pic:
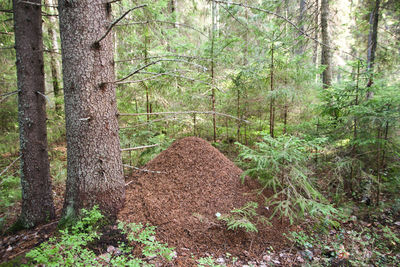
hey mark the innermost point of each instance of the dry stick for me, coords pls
(162, 56)
(180, 60)
(179, 76)
(185, 112)
(138, 147)
(288, 21)
(143, 170)
(9, 166)
(150, 78)
(115, 22)
(163, 21)
(149, 122)
(152, 63)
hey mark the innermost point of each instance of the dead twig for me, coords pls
(184, 112)
(139, 169)
(9, 166)
(138, 147)
(97, 43)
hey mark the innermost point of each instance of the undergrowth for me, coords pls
(70, 247)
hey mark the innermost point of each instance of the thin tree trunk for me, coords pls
(372, 44)
(213, 30)
(326, 56)
(54, 62)
(316, 21)
(272, 101)
(37, 196)
(302, 10)
(382, 164)
(94, 169)
(238, 114)
(349, 185)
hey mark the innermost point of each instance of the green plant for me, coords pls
(281, 164)
(136, 232)
(70, 248)
(245, 217)
(301, 239)
(207, 261)
(10, 191)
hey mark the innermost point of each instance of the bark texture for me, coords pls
(37, 200)
(94, 172)
(326, 57)
(372, 44)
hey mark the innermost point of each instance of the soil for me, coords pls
(181, 192)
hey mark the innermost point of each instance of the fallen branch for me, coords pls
(138, 147)
(184, 112)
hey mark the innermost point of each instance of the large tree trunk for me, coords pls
(326, 56)
(372, 43)
(37, 200)
(54, 63)
(94, 172)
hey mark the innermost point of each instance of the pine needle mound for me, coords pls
(197, 181)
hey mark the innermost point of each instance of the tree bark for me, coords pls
(54, 63)
(302, 10)
(272, 101)
(37, 200)
(315, 54)
(372, 44)
(94, 169)
(326, 56)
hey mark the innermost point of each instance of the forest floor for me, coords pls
(184, 191)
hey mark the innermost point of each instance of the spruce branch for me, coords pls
(97, 43)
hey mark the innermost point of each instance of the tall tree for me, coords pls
(94, 168)
(326, 56)
(37, 200)
(372, 42)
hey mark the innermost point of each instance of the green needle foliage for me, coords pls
(281, 164)
(245, 217)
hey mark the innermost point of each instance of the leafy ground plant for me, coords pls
(70, 248)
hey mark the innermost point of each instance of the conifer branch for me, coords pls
(288, 21)
(97, 43)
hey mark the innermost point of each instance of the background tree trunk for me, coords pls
(372, 43)
(54, 63)
(94, 172)
(37, 200)
(326, 56)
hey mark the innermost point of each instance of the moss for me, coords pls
(69, 218)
